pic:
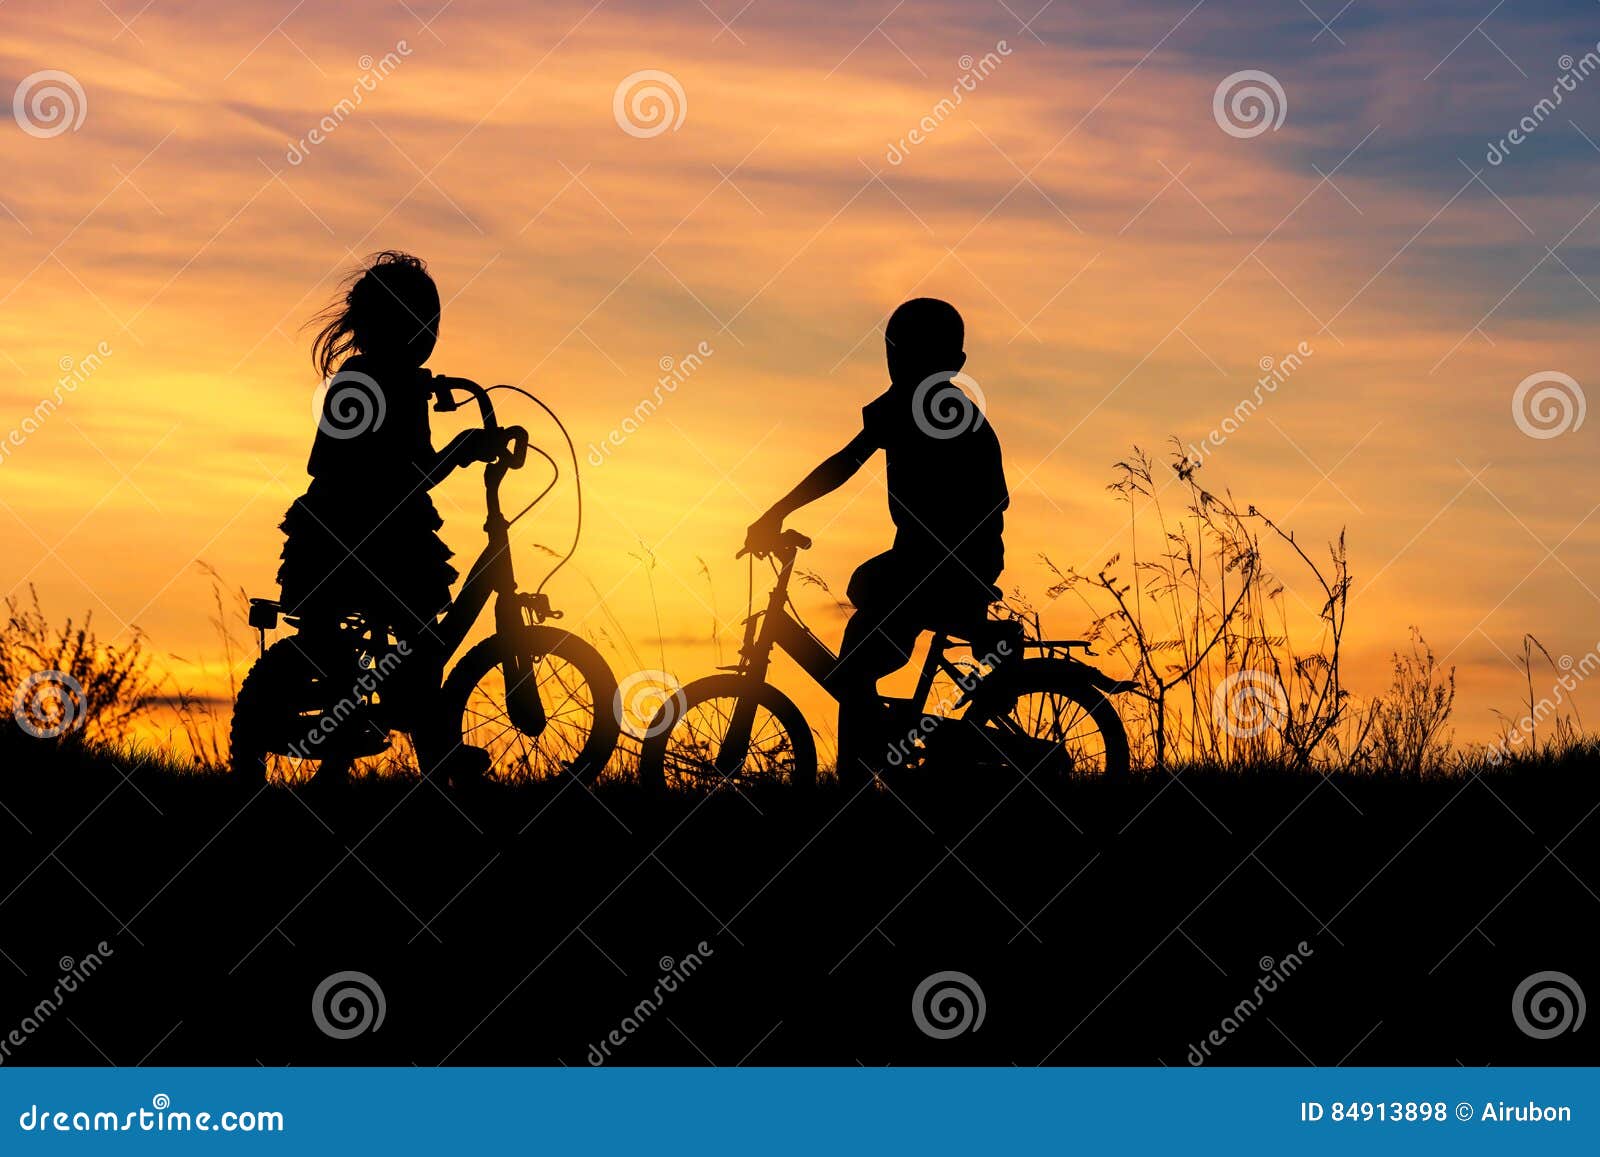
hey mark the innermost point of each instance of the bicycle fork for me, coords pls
(753, 655)
(776, 629)
(524, 707)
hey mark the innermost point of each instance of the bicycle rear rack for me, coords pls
(1063, 648)
(1067, 645)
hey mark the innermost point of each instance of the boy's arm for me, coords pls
(832, 473)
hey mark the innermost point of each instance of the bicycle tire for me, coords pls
(585, 756)
(669, 753)
(996, 698)
(279, 706)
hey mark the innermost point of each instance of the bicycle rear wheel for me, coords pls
(299, 717)
(1043, 718)
(686, 737)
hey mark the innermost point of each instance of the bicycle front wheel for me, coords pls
(685, 740)
(575, 687)
(1044, 718)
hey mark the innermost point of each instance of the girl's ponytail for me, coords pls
(391, 283)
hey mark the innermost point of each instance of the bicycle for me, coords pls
(1051, 713)
(536, 697)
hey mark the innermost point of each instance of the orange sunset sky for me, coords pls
(1123, 262)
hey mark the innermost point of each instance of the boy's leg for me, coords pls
(878, 639)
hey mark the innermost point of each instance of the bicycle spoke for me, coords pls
(697, 737)
(1045, 727)
(569, 719)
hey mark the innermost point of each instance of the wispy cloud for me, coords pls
(1123, 264)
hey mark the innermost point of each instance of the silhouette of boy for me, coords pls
(947, 497)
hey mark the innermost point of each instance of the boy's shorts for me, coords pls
(897, 597)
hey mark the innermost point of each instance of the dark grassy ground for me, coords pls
(1104, 925)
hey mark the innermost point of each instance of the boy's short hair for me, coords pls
(926, 327)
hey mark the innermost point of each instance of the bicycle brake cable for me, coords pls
(549, 486)
(577, 482)
(788, 601)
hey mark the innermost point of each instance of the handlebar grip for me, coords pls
(787, 540)
(444, 397)
(517, 442)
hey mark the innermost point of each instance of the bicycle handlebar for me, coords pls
(786, 541)
(444, 398)
(516, 446)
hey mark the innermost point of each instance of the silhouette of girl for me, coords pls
(364, 536)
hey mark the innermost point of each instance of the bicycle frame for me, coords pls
(775, 627)
(491, 576)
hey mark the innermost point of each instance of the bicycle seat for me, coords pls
(983, 634)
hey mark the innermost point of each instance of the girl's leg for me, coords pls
(413, 691)
(319, 636)
(441, 754)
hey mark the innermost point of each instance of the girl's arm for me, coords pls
(464, 449)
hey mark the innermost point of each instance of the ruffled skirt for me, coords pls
(342, 556)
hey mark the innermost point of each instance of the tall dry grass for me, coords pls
(63, 684)
(1233, 664)
(1230, 627)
